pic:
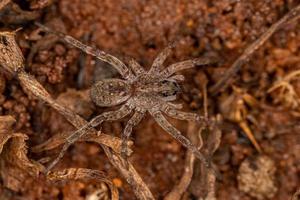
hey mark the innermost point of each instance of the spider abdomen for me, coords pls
(110, 92)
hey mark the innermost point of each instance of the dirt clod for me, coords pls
(256, 177)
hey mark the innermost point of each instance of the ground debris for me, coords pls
(235, 108)
(291, 16)
(204, 180)
(83, 174)
(12, 13)
(286, 94)
(102, 193)
(296, 196)
(15, 166)
(186, 178)
(257, 177)
(40, 4)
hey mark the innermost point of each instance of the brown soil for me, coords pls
(141, 29)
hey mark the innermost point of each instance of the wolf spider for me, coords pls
(138, 91)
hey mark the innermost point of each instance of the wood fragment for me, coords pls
(294, 14)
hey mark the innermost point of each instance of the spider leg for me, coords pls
(115, 62)
(162, 121)
(136, 67)
(107, 116)
(175, 105)
(181, 115)
(185, 65)
(160, 59)
(134, 120)
(178, 78)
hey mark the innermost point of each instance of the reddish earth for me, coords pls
(141, 29)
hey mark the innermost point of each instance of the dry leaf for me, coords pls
(11, 57)
(15, 167)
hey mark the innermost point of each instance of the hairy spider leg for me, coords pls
(175, 105)
(115, 62)
(181, 115)
(178, 78)
(107, 116)
(169, 128)
(136, 67)
(187, 64)
(160, 59)
(177, 114)
(134, 120)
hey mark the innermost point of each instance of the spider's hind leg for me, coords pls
(187, 64)
(106, 116)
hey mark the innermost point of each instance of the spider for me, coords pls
(138, 92)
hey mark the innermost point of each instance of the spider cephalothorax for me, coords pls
(138, 92)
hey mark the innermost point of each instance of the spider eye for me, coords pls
(171, 88)
(169, 93)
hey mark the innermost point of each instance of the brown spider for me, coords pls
(139, 91)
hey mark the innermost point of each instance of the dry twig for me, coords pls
(294, 14)
(12, 61)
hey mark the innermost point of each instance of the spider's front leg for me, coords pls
(107, 116)
(160, 59)
(187, 64)
(136, 67)
(162, 121)
(115, 62)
